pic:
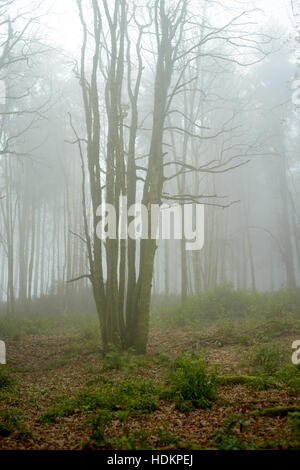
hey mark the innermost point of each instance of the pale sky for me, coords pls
(64, 29)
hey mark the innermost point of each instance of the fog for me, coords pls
(149, 224)
(237, 112)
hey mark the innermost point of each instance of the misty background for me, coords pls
(238, 121)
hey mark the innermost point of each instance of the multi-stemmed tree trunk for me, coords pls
(124, 309)
(121, 272)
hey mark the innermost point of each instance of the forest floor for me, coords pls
(61, 394)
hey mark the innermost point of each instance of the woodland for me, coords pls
(138, 343)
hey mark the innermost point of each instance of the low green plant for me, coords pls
(99, 422)
(294, 421)
(256, 382)
(267, 358)
(228, 438)
(280, 411)
(239, 316)
(166, 438)
(99, 439)
(10, 421)
(64, 408)
(290, 376)
(137, 440)
(135, 397)
(191, 385)
(123, 361)
(6, 379)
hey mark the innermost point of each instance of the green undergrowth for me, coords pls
(126, 362)
(11, 421)
(75, 350)
(280, 411)
(7, 381)
(37, 323)
(128, 439)
(255, 382)
(8, 385)
(133, 397)
(272, 362)
(239, 316)
(187, 380)
(190, 384)
(230, 436)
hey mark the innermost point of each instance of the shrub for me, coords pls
(191, 385)
(136, 440)
(123, 361)
(6, 380)
(290, 375)
(228, 438)
(10, 421)
(274, 312)
(267, 358)
(99, 422)
(294, 421)
(64, 408)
